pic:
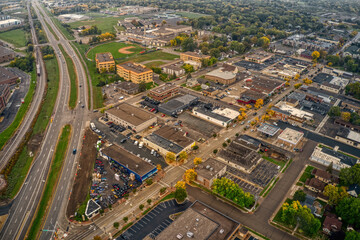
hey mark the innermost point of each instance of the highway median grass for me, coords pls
(19, 165)
(73, 78)
(51, 182)
(8, 132)
(51, 30)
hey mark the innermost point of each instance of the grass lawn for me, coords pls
(105, 24)
(73, 78)
(279, 163)
(306, 174)
(54, 173)
(157, 55)
(16, 37)
(113, 48)
(191, 14)
(7, 133)
(154, 64)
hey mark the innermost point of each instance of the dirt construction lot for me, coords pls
(85, 169)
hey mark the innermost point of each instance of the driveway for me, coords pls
(155, 221)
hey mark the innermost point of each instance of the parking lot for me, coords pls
(250, 65)
(155, 221)
(246, 186)
(113, 94)
(117, 137)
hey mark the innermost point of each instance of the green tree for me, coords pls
(349, 210)
(352, 235)
(334, 111)
(188, 44)
(335, 194)
(188, 68)
(350, 175)
(142, 86)
(149, 201)
(180, 194)
(125, 219)
(300, 196)
(141, 207)
(116, 225)
(264, 42)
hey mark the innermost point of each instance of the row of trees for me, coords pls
(229, 189)
(24, 63)
(102, 37)
(93, 30)
(353, 117)
(353, 89)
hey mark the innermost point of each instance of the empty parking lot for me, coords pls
(154, 222)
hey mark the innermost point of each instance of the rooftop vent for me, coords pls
(211, 169)
(190, 234)
(207, 166)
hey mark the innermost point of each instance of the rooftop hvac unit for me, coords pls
(190, 234)
(207, 166)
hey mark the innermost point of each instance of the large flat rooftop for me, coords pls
(131, 114)
(268, 129)
(135, 67)
(200, 222)
(128, 159)
(104, 57)
(291, 136)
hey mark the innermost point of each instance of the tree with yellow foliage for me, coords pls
(307, 81)
(190, 175)
(197, 161)
(298, 85)
(248, 106)
(183, 155)
(158, 167)
(242, 116)
(259, 103)
(270, 112)
(346, 116)
(170, 157)
(242, 109)
(315, 55)
(287, 83)
(265, 117)
(297, 76)
(180, 185)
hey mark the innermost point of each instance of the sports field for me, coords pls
(117, 49)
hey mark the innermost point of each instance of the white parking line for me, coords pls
(154, 210)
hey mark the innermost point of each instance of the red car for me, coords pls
(163, 115)
(152, 110)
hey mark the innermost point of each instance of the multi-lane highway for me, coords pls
(25, 204)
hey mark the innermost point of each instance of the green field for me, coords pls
(154, 64)
(105, 24)
(73, 78)
(191, 14)
(113, 48)
(16, 37)
(157, 55)
(7, 133)
(53, 176)
(306, 174)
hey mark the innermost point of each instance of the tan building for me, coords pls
(258, 57)
(224, 75)
(105, 62)
(164, 91)
(189, 57)
(131, 117)
(208, 171)
(134, 72)
(290, 138)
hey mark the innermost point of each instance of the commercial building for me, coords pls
(164, 91)
(200, 221)
(222, 117)
(348, 136)
(128, 87)
(325, 156)
(7, 77)
(132, 163)
(134, 72)
(177, 105)
(224, 75)
(105, 62)
(263, 84)
(268, 129)
(250, 97)
(288, 113)
(9, 23)
(240, 156)
(6, 55)
(92, 209)
(4, 96)
(131, 117)
(290, 138)
(169, 139)
(174, 68)
(258, 57)
(250, 142)
(208, 171)
(330, 82)
(193, 58)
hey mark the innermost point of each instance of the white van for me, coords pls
(141, 144)
(136, 143)
(121, 98)
(152, 151)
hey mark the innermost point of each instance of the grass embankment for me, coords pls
(51, 182)
(23, 162)
(104, 23)
(17, 37)
(51, 30)
(8, 132)
(73, 78)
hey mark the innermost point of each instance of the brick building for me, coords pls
(165, 91)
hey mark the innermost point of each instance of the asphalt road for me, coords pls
(14, 103)
(25, 204)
